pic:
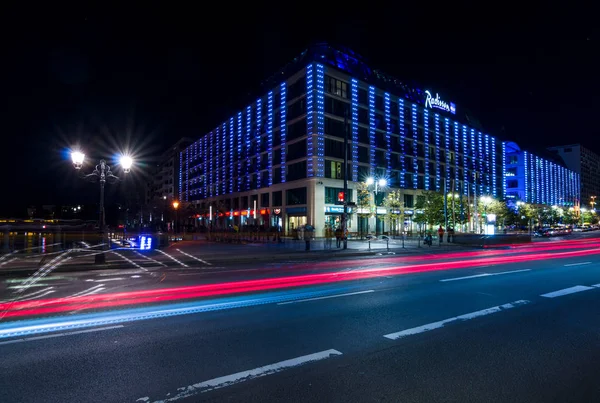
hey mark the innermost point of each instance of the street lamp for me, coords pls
(176, 206)
(379, 183)
(101, 174)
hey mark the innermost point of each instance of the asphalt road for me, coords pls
(502, 326)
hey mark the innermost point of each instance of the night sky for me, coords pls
(139, 79)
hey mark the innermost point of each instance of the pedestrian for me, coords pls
(441, 234)
(338, 237)
(450, 234)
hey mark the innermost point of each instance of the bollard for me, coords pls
(387, 244)
(402, 241)
(369, 244)
(307, 246)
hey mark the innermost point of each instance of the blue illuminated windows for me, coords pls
(239, 152)
(205, 165)
(320, 122)
(503, 168)
(388, 137)
(525, 159)
(248, 145)
(415, 146)
(224, 156)
(372, 130)
(402, 141)
(217, 160)
(354, 130)
(480, 161)
(232, 160)
(283, 128)
(426, 146)
(487, 164)
(448, 152)
(257, 138)
(270, 135)
(436, 125)
(309, 120)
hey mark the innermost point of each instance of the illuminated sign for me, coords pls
(145, 243)
(437, 103)
(341, 196)
(337, 209)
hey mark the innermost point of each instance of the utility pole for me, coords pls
(345, 215)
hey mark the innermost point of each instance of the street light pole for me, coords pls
(102, 173)
(345, 214)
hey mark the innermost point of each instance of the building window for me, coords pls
(336, 87)
(296, 171)
(277, 198)
(409, 200)
(264, 200)
(512, 184)
(295, 196)
(513, 159)
(331, 195)
(333, 169)
(511, 171)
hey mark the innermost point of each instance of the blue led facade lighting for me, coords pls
(354, 130)
(283, 127)
(232, 160)
(401, 124)
(526, 165)
(415, 146)
(180, 175)
(436, 125)
(187, 174)
(474, 161)
(248, 141)
(504, 162)
(240, 175)
(465, 158)
(388, 135)
(487, 164)
(211, 162)
(456, 159)
(205, 165)
(270, 136)
(321, 122)
(448, 151)
(225, 142)
(372, 144)
(310, 108)
(480, 160)
(426, 146)
(217, 161)
(494, 161)
(257, 139)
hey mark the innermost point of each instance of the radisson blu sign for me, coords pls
(438, 103)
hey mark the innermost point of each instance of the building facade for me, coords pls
(586, 163)
(164, 183)
(537, 180)
(279, 161)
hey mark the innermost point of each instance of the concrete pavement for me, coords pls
(519, 331)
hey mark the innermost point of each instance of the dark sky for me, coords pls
(140, 78)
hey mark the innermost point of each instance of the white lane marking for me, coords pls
(327, 297)
(25, 287)
(484, 275)
(193, 257)
(442, 323)
(135, 276)
(577, 264)
(50, 336)
(92, 292)
(129, 261)
(111, 279)
(120, 273)
(86, 291)
(172, 258)
(566, 291)
(228, 380)
(8, 261)
(37, 296)
(149, 258)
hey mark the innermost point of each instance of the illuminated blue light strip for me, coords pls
(257, 139)
(465, 158)
(494, 181)
(526, 173)
(504, 162)
(426, 146)
(239, 158)
(456, 158)
(474, 162)
(402, 132)
(248, 141)
(447, 148)
(539, 183)
(480, 161)
(187, 173)
(270, 136)
(547, 177)
(372, 161)
(232, 161)
(205, 167)
(283, 128)
(309, 120)
(437, 153)
(211, 162)
(224, 155)
(415, 146)
(180, 174)
(354, 130)
(388, 137)
(217, 161)
(487, 165)
(321, 122)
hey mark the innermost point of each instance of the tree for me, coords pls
(429, 208)
(590, 217)
(394, 204)
(364, 203)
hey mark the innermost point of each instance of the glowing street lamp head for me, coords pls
(126, 162)
(370, 181)
(77, 157)
(175, 204)
(382, 182)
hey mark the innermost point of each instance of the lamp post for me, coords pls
(378, 183)
(101, 174)
(593, 202)
(486, 200)
(176, 207)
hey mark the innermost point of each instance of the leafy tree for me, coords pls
(590, 217)
(430, 208)
(394, 203)
(569, 216)
(364, 203)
